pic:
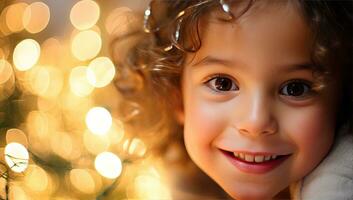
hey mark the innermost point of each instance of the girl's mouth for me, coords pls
(258, 164)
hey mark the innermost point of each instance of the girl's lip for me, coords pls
(252, 167)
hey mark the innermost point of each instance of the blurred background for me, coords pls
(62, 136)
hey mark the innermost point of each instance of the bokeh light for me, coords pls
(4, 30)
(18, 193)
(150, 187)
(14, 16)
(108, 165)
(62, 144)
(26, 54)
(86, 45)
(46, 81)
(120, 21)
(16, 157)
(17, 136)
(40, 126)
(5, 71)
(95, 144)
(7, 88)
(135, 147)
(98, 120)
(51, 48)
(37, 179)
(84, 14)
(79, 84)
(82, 180)
(59, 142)
(100, 72)
(116, 132)
(39, 80)
(36, 17)
(2, 54)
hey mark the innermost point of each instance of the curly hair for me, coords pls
(156, 57)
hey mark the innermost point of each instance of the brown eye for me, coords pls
(296, 89)
(222, 84)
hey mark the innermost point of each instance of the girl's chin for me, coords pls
(251, 197)
(252, 194)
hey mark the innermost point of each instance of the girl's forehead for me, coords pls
(261, 17)
(244, 9)
(275, 30)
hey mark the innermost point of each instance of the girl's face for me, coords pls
(248, 95)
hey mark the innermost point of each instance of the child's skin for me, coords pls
(248, 89)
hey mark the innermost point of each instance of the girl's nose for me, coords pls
(257, 117)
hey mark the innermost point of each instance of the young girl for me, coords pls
(260, 92)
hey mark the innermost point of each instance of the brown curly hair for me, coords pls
(150, 69)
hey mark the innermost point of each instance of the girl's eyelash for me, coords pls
(306, 88)
(221, 83)
(209, 78)
(296, 89)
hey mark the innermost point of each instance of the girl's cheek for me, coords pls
(310, 127)
(205, 120)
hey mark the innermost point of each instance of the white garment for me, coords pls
(333, 178)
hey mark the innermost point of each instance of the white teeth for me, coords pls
(252, 158)
(259, 159)
(249, 158)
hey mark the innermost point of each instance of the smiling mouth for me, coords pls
(255, 163)
(254, 159)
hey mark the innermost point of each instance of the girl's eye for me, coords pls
(296, 89)
(221, 84)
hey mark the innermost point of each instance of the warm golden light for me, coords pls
(17, 193)
(2, 54)
(4, 30)
(16, 135)
(95, 144)
(76, 108)
(16, 157)
(135, 147)
(14, 16)
(79, 84)
(116, 18)
(36, 179)
(119, 21)
(5, 71)
(82, 180)
(100, 72)
(84, 14)
(36, 17)
(39, 80)
(62, 144)
(45, 104)
(116, 132)
(51, 48)
(7, 80)
(108, 165)
(98, 120)
(26, 54)
(38, 124)
(86, 45)
(150, 187)
(64, 133)
(46, 81)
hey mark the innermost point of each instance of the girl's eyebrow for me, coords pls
(298, 67)
(209, 60)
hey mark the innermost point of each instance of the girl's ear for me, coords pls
(179, 106)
